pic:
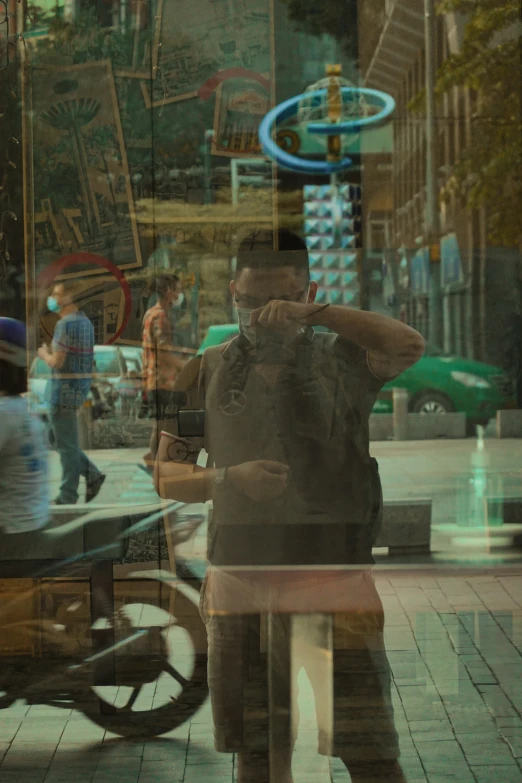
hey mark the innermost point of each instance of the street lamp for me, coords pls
(209, 134)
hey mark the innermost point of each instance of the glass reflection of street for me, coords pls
(184, 436)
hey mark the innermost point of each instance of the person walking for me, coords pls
(161, 366)
(71, 359)
(24, 481)
(297, 506)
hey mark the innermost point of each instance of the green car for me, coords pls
(438, 383)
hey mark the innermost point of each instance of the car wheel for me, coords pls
(432, 403)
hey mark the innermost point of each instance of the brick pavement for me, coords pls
(455, 648)
(454, 644)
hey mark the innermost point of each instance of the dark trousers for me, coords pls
(64, 423)
(245, 687)
(160, 402)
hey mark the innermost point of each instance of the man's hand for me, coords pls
(54, 360)
(43, 352)
(259, 480)
(279, 314)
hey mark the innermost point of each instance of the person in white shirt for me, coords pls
(24, 484)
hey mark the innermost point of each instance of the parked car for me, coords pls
(133, 355)
(110, 365)
(131, 389)
(438, 383)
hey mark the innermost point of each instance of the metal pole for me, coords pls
(234, 180)
(26, 93)
(208, 189)
(400, 413)
(432, 201)
(124, 14)
(83, 417)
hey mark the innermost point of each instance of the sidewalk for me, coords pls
(454, 645)
(455, 648)
(454, 474)
(434, 468)
(442, 470)
(439, 469)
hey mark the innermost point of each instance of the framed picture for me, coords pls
(200, 39)
(241, 104)
(83, 196)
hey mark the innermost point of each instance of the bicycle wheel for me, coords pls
(160, 684)
(183, 452)
(116, 439)
(96, 439)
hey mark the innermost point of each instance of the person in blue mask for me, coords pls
(71, 359)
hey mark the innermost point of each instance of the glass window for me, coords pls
(299, 519)
(108, 361)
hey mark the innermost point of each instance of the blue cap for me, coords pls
(13, 342)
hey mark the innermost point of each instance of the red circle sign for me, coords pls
(48, 275)
(206, 89)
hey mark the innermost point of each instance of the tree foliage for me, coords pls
(340, 19)
(80, 40)
(336, 18)
(488, 172)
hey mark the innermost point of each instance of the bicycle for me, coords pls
(183, 449)
(108, 434)
(104, 432)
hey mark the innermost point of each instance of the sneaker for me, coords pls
(60, 502)
(93, 487)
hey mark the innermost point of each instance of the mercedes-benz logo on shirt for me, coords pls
(233, 403)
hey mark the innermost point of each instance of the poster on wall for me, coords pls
(241, 104)
(83, 196)
(200, 39)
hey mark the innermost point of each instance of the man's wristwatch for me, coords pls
(220, 477)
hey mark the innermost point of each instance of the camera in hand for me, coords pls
(179, 398)
(191, 423)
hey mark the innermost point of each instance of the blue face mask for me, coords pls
(243, 317)
(52, 304)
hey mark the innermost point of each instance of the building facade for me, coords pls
(480, 283)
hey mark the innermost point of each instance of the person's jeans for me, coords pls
(75, 463)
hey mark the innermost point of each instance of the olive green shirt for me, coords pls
(312, 415)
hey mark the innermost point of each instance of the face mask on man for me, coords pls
(52, 304)
(243, 317)
(253, 333)
(179, 301)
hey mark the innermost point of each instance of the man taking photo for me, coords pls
(294, 490)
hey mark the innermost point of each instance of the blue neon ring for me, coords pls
(351, 126)
(287, 109)
(279, 114)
